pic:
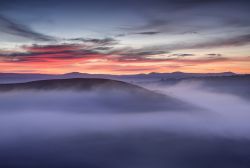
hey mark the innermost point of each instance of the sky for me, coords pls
(124, 37)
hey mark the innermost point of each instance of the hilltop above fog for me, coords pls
(87, 95)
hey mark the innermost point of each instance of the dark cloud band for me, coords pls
(11, 27)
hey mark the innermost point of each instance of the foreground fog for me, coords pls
(89, 129)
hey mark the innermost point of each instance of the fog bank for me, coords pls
(92, 129)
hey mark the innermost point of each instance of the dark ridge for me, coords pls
(112, 93)
(70, 84)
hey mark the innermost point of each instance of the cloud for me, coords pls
(151, 26)
(224, 42)
(131, 54)
(97, 41)
(85, 52)
(148, 33)
(183, 55)
(235, 41)
(44, 52)
(214, 54)
(54, 47)
(103, 48)
(11, 27)
(176, 60)
(82, 48)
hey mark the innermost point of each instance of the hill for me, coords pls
(81, 93)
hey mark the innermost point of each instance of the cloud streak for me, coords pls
(96, 41)
(224, 42)
(50, 52)
(235, 41)
(99, 50)
(11, 27)
(148, 33)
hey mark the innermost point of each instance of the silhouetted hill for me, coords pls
(70, 84)
(111, 93)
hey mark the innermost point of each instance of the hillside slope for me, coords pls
(92, 94)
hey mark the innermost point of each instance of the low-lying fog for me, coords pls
(75, 129)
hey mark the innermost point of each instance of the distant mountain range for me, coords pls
(18, 77)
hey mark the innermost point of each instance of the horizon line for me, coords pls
(21, 73)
